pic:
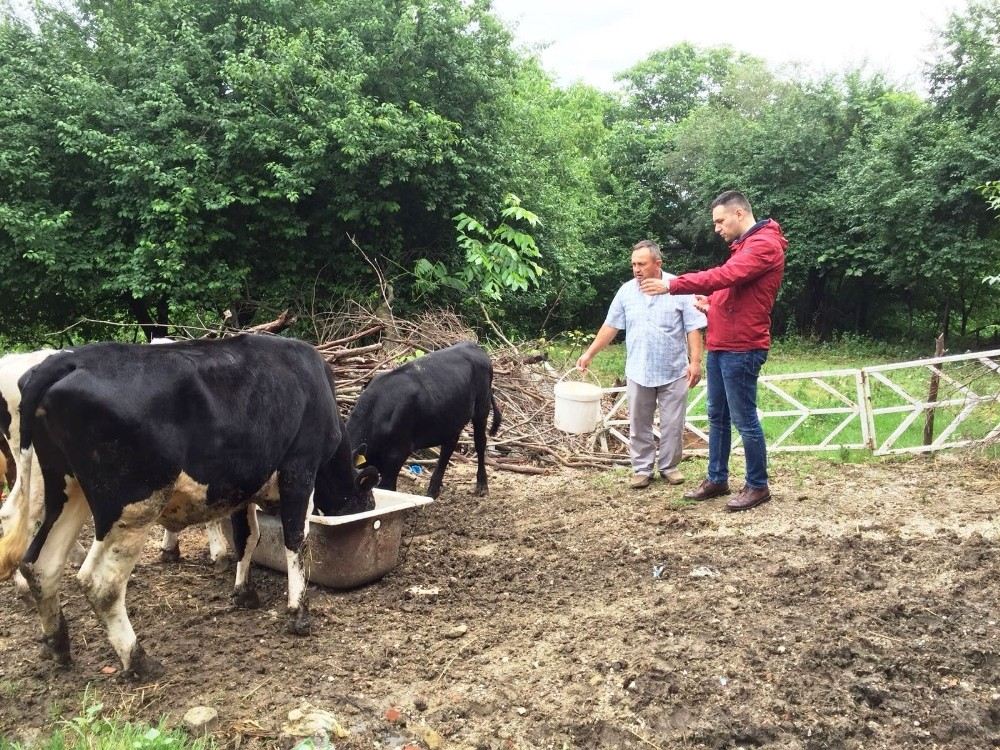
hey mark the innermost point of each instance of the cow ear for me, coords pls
(367, 479)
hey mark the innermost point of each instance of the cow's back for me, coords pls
(225, 413)
(425, 401)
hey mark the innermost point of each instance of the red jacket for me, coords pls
(742, 290)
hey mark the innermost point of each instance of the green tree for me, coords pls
(671, 83)
(677, 106)
(169, 155)
(497, 262)
(963, 155)
(556, 138)
(991, 191)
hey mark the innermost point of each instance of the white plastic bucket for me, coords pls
(578, 406)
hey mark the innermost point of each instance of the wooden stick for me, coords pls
(516, 468)
(932, 392)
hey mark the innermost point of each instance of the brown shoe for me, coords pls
(749, 498)
(638, 481)
(672, 476)
(707, 490)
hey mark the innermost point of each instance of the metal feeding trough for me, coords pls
(344, 551)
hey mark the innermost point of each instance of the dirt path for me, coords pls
(860, 609)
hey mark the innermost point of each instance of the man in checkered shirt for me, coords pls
(663, 360)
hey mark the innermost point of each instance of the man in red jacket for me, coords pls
(741, 294)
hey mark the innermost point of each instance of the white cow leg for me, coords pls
(246, 534)
(218, 545)
(170, 547)
(104, 577)
(298, 604)
(43, 577)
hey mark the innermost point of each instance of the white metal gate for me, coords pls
(878, 408)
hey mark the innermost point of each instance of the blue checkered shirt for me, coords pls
(656, 328)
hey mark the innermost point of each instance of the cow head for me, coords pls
(364, 482)
(339, 494)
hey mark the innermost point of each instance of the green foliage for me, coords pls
(167, 154)
(92, 730)
(555, 142)
(497, 261)
(991, 190)
(502, 258)
(162, 162)
(671, 83)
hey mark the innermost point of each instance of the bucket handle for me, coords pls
(587, 372)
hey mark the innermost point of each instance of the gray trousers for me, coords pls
(642, 402)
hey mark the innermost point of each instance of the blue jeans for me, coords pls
(732, 399)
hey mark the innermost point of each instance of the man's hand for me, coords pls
(693, 374)
(701, 303)
(654, 286)
(584, 362)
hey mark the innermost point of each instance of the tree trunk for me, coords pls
(811, 308)
(151, 327)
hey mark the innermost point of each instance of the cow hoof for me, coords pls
(57, 644)
(481, 490)
(144, 668)
(246, 598)
(61, 658)
(298, 623)
(170, 556)
(222, 563)
(47, 653)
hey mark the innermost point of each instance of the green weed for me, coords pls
(9, 688)
(606, 481)
(92, 729)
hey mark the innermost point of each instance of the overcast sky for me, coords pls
(590, 40)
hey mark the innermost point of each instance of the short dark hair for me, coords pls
(732, 198)
(653, 248)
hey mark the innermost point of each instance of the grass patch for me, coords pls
(680, 503)
(93, 730)
(609, 480)
(9, 689)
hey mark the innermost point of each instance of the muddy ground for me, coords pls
(859, 609)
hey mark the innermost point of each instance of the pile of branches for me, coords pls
(359, 343)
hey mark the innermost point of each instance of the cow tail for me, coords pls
(34, 385)
(497, 416)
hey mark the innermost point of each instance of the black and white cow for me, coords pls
(12, 367)
(178, 435)
(423, 403)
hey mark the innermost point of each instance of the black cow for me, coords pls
(175, 434)
(423, 403)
